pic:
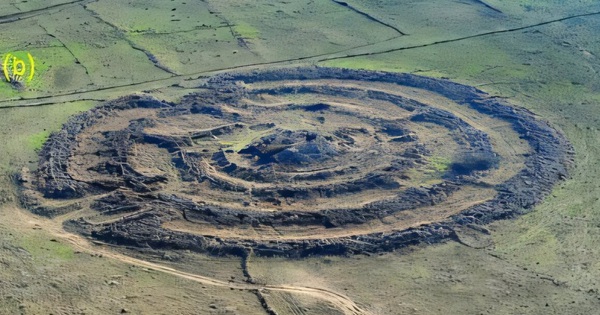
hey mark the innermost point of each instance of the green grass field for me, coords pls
(545, 262)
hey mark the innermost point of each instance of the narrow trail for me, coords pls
(54, 227)
(488, 6)
(368, 16)
(9, 18)
(22, 217)
(88, 94)
(49, 100)
(452, 40)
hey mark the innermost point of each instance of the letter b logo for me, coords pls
(15, 68)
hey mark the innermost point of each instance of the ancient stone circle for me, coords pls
(297, 162)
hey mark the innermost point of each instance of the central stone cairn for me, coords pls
(297, 162)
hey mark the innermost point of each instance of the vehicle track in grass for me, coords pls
(24, 219)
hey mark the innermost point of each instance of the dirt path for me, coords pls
(54, 227)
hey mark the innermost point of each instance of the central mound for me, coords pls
(293, 148)
(297, 162)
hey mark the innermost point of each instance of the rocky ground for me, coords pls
(538, 55)
(299, 165)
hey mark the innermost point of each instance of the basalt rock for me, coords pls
(296, 162)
